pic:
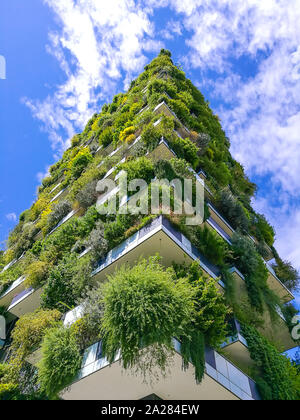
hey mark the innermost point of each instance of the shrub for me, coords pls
(30, 329)
(256, 274)
(287, 274)
(211, 245)
(88, 195)
(66, 282)
(233, 210)
(141, 168)
(185, 149)
(280, 378)
(263, 230)
(26, 337)
(61, 360)
(79, 163)
(9, 392)
(143, 306)
(127, 135)
(25, 240)
(201, 140)
(60, 210)
(36, 274)
(97, 242)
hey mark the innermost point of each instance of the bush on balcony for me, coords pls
(249, 262)
(280, 380)
(79, 163)
(88, 195)
(140, 168)
(144, 306)
(211, 245)
(66, 282)
(26, 337)
(59, 211)
(61, 360)
(233, 210)
(263, 230)
(97, 242)
(287, 274)
(36, 273)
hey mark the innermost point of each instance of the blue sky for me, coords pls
(65, 58)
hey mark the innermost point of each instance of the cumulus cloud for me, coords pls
(252, 48)
(98, 43)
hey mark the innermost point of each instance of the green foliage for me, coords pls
(141, 168)
(193, 350)
(114, 231)
(287, 274)
(233, 210)
(147, 294)
(211, 245)
(79, 163)
(144, 306)
(26, 337)
(66, 282)
(262, 229)
(280, 380)
(36, 273)
(59, 211)
(61, 360)
(10, 392)
(252, 267)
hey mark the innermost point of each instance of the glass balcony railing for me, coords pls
(15, 288)
(21, 296)
(236, 334)
(278, 286)
(211, 222)
(218, 368)
(159, 224)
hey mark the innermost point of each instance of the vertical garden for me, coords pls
(59, 243)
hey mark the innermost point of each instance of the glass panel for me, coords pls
(90, 355)
(221, 364)
(238, 378)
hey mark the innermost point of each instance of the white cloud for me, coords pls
(100, 43)
(12, 217)
(105, 41)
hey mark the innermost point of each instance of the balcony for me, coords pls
(60, 195)
(275, 332)
(158, 237)
(211, 223)
(220, 224)
(163, 108)
(278, 287)
(26, 301)
(12, 263)
(14, 289)
(64, 220)
(99, 380)
(162, 151)
(236, 346)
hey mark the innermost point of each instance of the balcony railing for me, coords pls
(211, 222)
(159, 224)
(13, 288)
(236, 335)
(218, 368)
(23, 295)
(26, 301)
(276, 285)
